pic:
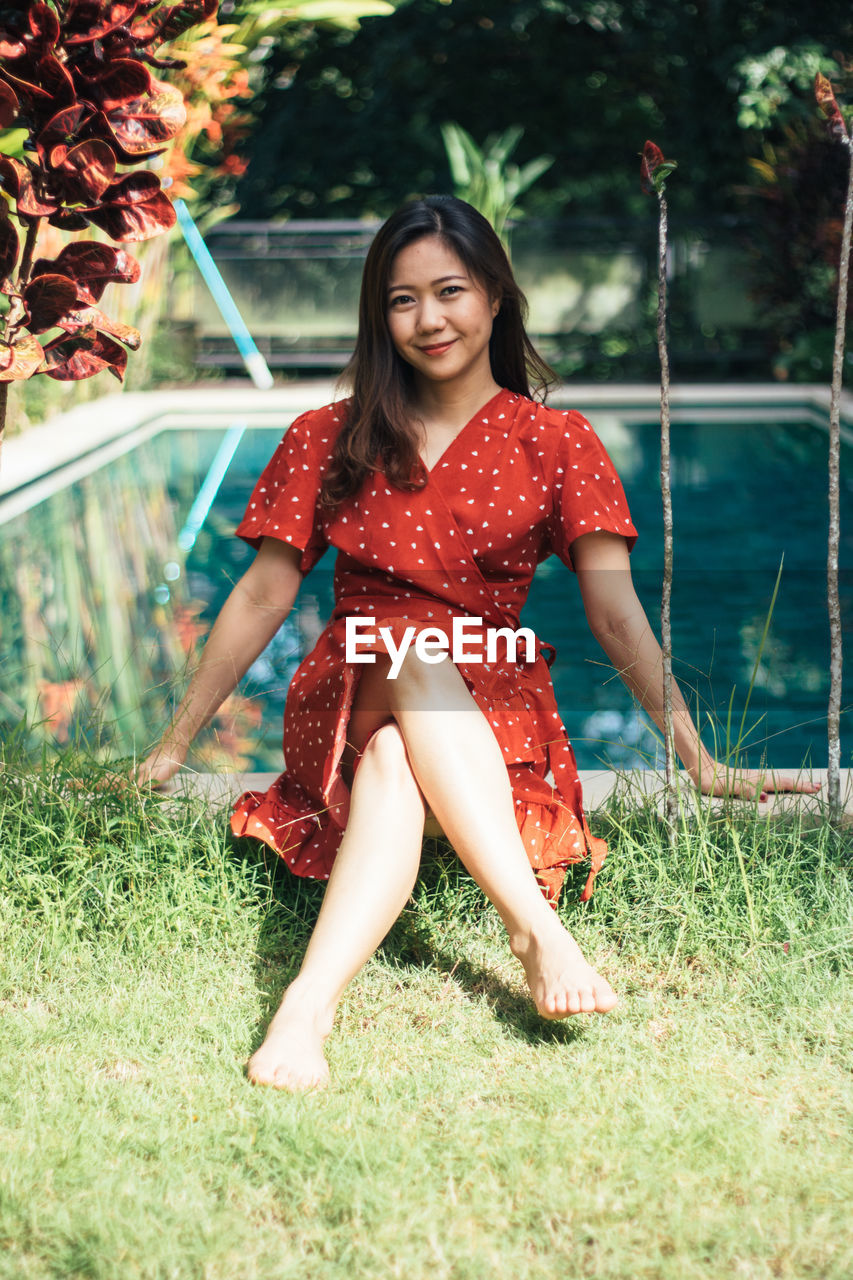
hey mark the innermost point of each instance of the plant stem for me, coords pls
(23, 277)
(666, 493)
(833, 719)
(27, 255)
(4, 401)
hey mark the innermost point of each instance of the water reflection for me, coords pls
(99, 623)
(104, 606)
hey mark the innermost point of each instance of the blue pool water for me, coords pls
(107, 586)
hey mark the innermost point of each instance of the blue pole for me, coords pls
(256, 366)
(210, 487)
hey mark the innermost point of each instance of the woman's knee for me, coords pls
(385, 752)
(428, 686)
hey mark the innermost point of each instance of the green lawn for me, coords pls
(702, 1129)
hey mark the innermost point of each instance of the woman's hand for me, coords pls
(248, 620)
(159, 767)
(618, 622)
(717, 780)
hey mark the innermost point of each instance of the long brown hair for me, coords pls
(379, 432)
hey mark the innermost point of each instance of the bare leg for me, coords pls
(372, 877)
(459, 766)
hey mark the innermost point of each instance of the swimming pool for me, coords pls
(108, 585)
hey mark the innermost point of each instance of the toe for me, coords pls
(587, 1000)
(256, 1074)
(290, 1082)
(605, 998)
(574, 1001)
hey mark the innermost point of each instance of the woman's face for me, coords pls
(439, 317)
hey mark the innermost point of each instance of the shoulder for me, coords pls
(319, 426)
(560, 422)
(552, 430)
(311, 435)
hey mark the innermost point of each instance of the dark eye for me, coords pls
(452, 288)
(398, 298)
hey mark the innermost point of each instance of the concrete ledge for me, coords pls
(66, 437)
(638, 786)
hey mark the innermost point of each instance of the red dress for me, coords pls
(518, 482)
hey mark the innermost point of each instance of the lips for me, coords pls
(438, 349)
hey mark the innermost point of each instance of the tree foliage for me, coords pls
(353, 124)
(486, 177)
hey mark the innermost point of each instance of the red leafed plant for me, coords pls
(78, 76)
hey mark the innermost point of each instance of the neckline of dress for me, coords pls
(483, 410)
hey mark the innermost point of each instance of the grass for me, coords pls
(700, 1130)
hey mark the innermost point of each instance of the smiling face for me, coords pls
(439, 316)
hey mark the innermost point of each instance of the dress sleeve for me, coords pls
(587, 493)
(284, 501)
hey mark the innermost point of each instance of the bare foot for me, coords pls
(291, 1057)
(560, 980)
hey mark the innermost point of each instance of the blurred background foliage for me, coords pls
(329, 110)
(348, 122)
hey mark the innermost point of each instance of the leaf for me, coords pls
(18, 181)
(654, 169)
(44, 24)
(26, 84)
(830, 108)
(61, 130)
(92, 318)
(344, 13)
(9, 104)
(144, 126)
(56, 81)
(85, 172)
(764, 170)
(122, 83)
(661, 174)
(500, 147)
(82, 355)
(10, 47)
(532, 171)
(40, 85)
(68, 220)
(47, 298)
(20, 360)
(88, 20)
(652, 157)
(172, 20)
(137, 220)
(133, 188)
(9, 246)
(456, 154)
(92, 266)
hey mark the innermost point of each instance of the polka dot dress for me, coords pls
(518, 483)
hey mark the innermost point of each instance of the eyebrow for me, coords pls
(441, 280)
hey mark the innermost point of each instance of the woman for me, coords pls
(442, 484)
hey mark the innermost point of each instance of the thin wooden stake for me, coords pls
(833, 719)
(666, 494)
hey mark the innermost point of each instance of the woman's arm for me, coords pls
(250, 617)
(619, 624)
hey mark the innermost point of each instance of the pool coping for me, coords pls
(635, 786)
(52, 446)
